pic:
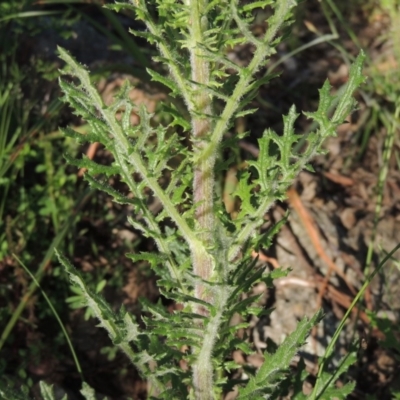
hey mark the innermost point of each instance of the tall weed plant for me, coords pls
(203, 257)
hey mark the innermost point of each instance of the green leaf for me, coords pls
(169, 83)
(246, 112)
(87, 392)
(276, 365)
(326, 384)
(265, 240)
(347, 102)
(178, 119)
(184, 298)
(247, 279)
(46, 391)
(298, 380)
(257, 4)
(152, 258)
(92, 166)
(118, 197)
(244, 192)
(244, 305)
(80, 137)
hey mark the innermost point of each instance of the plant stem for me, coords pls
(203, 193)
(203, 182)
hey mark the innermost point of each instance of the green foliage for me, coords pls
(273, 369)
(37, 206)
(203, 257)
(8, 390)
(325, 386)
(47, 392)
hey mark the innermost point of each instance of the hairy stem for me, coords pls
(203, 191)
(203, 182)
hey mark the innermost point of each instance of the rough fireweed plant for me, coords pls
(203, 259)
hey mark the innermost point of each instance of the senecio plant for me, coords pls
(203, 258)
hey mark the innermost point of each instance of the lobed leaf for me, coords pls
(276, 365)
